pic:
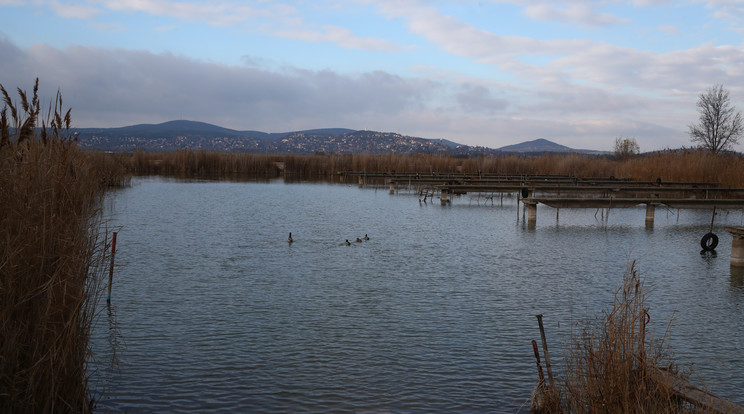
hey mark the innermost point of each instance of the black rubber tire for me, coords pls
(709, 242)
(525, 192)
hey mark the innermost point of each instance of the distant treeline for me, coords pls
(726, 170)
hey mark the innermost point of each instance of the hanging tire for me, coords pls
(709, 242)
(525, 192)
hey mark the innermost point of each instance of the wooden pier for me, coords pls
(563, 191)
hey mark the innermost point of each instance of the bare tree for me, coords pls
(626, 148)
(720, 126)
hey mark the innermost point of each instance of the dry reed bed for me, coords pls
(52, 254)
(611, 364)
(726, 170)
(49, 232)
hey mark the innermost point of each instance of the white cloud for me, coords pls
(338, 35)
(74, 10)
(218, 13)
(281, 20)
(574, 14)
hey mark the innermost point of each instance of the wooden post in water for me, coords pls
(392, 187)
(737, 246)
(531, 212)
(712, 219)
(443, 195)
(539, 366)
(650, 212)
(545, 349)
(111, 268)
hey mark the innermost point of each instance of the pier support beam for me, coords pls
(392, 187)
(737, 246)
(531, 211)
(650, 212)
(443, 196)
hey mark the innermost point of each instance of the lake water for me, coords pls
(216, 312)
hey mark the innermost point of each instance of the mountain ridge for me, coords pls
(185, 134)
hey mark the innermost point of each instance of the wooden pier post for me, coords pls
(443, 196)
(531, 211)
(737, 246)
(111, 268)
(392, 187)
(650, 213)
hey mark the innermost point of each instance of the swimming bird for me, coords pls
(366, 237)
(358, 240)
(348, 243)
(290, 238)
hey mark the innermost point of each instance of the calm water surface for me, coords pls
(216, 312)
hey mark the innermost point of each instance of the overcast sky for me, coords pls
(489, 72)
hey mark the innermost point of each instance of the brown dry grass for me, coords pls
(52, 255)
(611, 363)
(726, 170)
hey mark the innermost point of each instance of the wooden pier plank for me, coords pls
(697, 396)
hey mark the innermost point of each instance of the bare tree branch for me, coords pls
(720, 126)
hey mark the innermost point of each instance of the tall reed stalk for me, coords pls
(52, 260)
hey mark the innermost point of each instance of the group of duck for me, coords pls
(348, 243)
(358, 240)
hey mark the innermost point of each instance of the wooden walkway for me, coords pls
(563, 191)
(696, 396)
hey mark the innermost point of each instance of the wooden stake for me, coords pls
(111, 269)
(539, 366)
(545, 349)
(712, 219)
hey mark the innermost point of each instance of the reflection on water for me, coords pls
(435, 313)
(737, 277)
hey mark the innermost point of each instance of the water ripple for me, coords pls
(435, 313)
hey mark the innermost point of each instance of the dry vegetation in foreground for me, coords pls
(727, 170)
(611, 365)
(52, 259)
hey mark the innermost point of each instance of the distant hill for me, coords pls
(182, 134)
(542, 146)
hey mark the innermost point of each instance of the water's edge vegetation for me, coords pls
(726, 170)
(52, 258)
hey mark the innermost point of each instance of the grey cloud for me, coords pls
(477, 99)
(121, 87)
